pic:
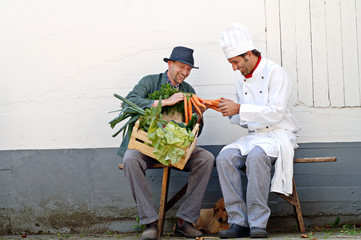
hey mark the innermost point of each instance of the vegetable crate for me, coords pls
(139, 138)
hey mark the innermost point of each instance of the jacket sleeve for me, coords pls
(235, 119)
(274, 111)
(140, 92)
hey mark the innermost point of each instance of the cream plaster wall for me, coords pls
(61, 62)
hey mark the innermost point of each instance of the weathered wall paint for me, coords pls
(61, 62)
(82, 190)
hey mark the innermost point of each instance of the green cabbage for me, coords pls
(169, 142)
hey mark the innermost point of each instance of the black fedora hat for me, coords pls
(183, 55)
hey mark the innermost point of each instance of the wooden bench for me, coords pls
(165, 205)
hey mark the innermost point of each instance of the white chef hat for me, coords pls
(235, 40)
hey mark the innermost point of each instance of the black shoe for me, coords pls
(187, 230)
(151, 231)
(257, 232)
(235, 231)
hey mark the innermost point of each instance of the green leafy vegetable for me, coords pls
(190, 124)
(169, 142)
(168, 138)
(128, 110)
(165, 92)
(152, 118)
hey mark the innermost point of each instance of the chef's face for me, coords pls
(178, 72)
(241, 63)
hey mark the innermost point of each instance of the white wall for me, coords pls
(61, 62)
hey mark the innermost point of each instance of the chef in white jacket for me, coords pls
(263, 107)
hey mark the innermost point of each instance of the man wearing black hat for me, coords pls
(200, 164)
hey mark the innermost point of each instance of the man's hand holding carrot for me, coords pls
(228, 107)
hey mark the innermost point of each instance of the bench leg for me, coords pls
(165, 205)
(163, 200)
(296, 206)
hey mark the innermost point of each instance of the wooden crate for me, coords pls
(140, 137)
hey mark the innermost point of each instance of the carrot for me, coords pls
(196, 106)
(209, 102)
(196, 100)
(185, 109)
(190, 110)
(200, 99)
(200, 102)
(205, 100)
(214, 108)
(212, 102)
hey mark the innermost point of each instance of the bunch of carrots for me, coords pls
(192, 100)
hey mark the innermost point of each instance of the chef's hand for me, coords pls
(228, 107)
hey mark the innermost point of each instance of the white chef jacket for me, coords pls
(266, 112)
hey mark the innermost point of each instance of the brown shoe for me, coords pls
(187, 230)
(151, 231)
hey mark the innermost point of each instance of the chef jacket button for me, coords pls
(260, 91)
(266, 126)
(244, 80)
(245, 93)
(262, 77)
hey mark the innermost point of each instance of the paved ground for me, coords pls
(311, 234)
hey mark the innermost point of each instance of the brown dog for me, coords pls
(213, 220)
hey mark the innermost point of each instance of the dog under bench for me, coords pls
(165, 205)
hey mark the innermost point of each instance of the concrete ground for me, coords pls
(311, 234)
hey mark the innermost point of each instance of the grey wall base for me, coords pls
(82, 190)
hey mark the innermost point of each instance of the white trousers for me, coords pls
(249, 209)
